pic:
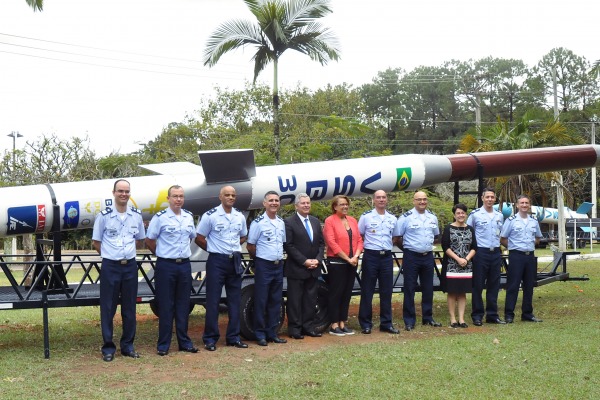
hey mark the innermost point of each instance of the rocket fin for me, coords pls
(223, 166)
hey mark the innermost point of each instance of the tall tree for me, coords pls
(281, 25)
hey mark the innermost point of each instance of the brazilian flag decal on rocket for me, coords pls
(403, 178)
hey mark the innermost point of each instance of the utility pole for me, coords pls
(14, 135)
(594, 194)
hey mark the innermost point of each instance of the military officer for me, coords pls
(221, 232)
(265, 245)
(416, 231)
(169, 235)
(520, 234)
(117, 232)
(377, 228)
(487, 224)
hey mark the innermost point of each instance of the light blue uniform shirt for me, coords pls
(377, 230)
(418, 230)
(487, 227)
(172, 233)
(521, 233)
(118, 235)
(268, 235)
(222, 231)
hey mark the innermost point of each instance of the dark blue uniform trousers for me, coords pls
(268, 287)
(376, 267)
(118, 283)
(521, 267)
(486, 275)
(222, 271)
(173, 284)
(417, 266)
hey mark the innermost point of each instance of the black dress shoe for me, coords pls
(262, 342)
(463, 325)
(313, 334)
(239, 344)
(131, 354)
(390, 329)
(508, 320)
(477, 322)
(210, 346)
(162, 353)
(296, 336)
(189, 349)
(532, 319)
(431, 322)
(495, 321)
(455, 325)
(108, 357)
(366, 331)
(409, 327)
(277, 339)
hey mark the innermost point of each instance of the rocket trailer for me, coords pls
(46, 284)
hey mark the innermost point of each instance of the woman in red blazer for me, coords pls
(344, 245)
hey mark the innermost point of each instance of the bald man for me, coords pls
(416, 231)
(221, 232)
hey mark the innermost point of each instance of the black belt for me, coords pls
(381, 253)
(525, 253)
(418, 253)
(122, 262)
(221, 255)
(276, 262)
(174, 260)
(490, 249)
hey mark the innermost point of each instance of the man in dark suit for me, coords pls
(304, 247)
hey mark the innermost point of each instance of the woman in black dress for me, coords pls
(458, 243)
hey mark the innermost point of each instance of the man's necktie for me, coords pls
(307, 228)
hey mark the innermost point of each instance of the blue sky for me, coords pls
(121, 70)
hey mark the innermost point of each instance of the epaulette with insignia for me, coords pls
(187, 211)
(474, 211)
(259, 218)
(135, 210)
(406, 214)
(237, 209)
(161, 212)
(512, 217)
(211, 211)
(279, 218)
(106, 211)
(366, 212)
(430, 212)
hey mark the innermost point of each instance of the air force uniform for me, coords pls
(486, 263)
(522, 264)
(418, 232)
(173, 274)
(223, 267)
(118, 234)
(377, 265)
(268, 235)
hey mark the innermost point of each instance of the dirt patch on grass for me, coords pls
(177, 366)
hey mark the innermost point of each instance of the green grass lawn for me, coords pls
(557, 359)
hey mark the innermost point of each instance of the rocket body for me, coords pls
(74, 205)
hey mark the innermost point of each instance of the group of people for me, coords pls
(473, 258)
(471, 248)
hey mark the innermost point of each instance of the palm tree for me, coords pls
(595, 71)
(280, 25)
(522, 136)
(37, 5)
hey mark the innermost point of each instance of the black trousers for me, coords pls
(340, 278)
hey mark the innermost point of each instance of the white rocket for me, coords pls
(546, 215)
(74, 205)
